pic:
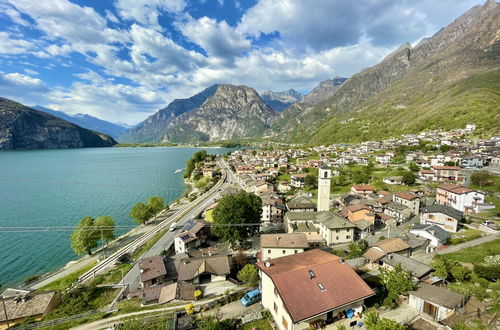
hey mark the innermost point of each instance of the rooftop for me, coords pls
(295, 240)
(390, 245)
(445, 209)
(26, 305)
(416, 268)
(152, 267)
(438, 295)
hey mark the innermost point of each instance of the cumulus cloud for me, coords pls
(9, 45)
(21, 87)
(146, 12)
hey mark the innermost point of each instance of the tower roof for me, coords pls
(325, 167)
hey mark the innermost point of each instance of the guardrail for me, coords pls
(130, 247)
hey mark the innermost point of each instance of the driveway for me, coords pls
(236, 309)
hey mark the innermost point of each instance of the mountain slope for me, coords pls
(87, 121)
(153, 129)
(24, 128)
(446, 80)
(323, 91)
(279, 101)
(232, 112)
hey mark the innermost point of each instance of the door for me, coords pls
(430, 309)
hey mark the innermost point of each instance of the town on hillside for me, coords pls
(395, 234)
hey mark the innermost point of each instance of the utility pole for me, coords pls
(5, 311)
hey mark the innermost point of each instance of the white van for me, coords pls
(173, 226)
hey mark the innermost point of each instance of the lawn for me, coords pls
(466, 235)
(260, 325)
(475, 254)
(62, 283)
(149, 244)
(112, 276)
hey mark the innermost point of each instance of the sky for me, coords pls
(121, 60)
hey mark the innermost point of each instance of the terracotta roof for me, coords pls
(363, 187)
(383, 192)
(454, 188)
(301, 292)
(373, 254)
(299, 176)
(296, 240)
(167, 293)
(427, 172)
(152, 267)
(187, 236)
(358, 207)
(450, 168)
(405, 195)
(390, 245)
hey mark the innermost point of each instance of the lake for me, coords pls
(59, 187)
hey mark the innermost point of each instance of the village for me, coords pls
(348, 236)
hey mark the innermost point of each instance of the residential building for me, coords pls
(334, 228)
(203, 269)
(208, 172)
(362, 190)
(459, 197)
(417, 269)
(399, 212)
(409, 200)
(153, 271)
(300, 203)
(437, 302)
(436, 235)
(444, 216)
(279, 245)
(385, 247)
(450, 173)
(298, 180)
(393, 180)
(310, 289)
(273, 209)
(194, 234)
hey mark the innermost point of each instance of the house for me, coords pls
(298, 180)
(444, 216)
(309, 289)
(386, 246)
(450, 173)
(203, 269)
(362, 190)
(279, 245)
(153, 271)
(436, 235)
(304, 222)
(273, 209)
(194, 234)
(393, 180)
(427, 175)
(409, 200)
(459, 197)
(383, 159)
(284, 187)
(398, 211)
(435, 301)
(334, 228)
(358, 212)
(208, 172)
(417, 269)
(19, 305)
(163, 294)
(300, 203)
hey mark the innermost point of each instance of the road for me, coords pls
(132, 277)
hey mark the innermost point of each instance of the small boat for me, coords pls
(178, 171)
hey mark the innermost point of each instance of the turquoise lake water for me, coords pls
(79, 183)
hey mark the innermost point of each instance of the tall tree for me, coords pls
(233, 212)
(155, 205)
(105, 227)
(85, 237)
(396, 280)
(249, 274)
(140, 213)
(409, 178)
(480, 178)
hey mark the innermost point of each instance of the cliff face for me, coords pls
(323, 91)
(279, 101)
(232, 112)
(24, 128)
(154, 128)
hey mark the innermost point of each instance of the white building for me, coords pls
(324, 177)
(280, 245)
(459, 197)
(435, 301)
(306, 289)
(436, 235)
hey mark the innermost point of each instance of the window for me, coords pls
(321, 287)
(348, 237)
(337, 238)
(311, 274)
(337, 231)
(296, 251)
(268, 251)
(284, 251)
(275, 308)
(284, 322)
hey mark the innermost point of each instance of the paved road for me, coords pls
(132, 277)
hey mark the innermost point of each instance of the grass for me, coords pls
(62, 283)
(475, 254)
(467, 235)
(149, 244)
(260, 325)
(113, 276)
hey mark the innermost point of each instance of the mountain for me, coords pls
(25, 128)
(231, 112)
(447, 80)
(279, 101)
(323, 91)
(153, 129)
(87, 121)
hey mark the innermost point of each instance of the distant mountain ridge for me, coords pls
(279, 101)
(323, 91)
(87, 121)
(24, 128)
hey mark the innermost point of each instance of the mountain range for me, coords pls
(25, 128)
(87, 121)
(279, 101)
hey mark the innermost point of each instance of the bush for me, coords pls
(490, 272)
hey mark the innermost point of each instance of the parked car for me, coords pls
(251, 298)
(173, 226)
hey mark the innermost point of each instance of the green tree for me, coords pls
(374, 322)
(311, 181)
(105, 227)
(202, 182)
(234, 213)
(356, 249)
(249, 274)
(413, 167)
(409, 178)
(440, 266)
(397, 281)
(155, 204)
(140, 213)
(85, 237)
(480, 178)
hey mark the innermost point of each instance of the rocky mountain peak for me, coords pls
(279, 101)
(324, 90)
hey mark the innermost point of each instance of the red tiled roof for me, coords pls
(405, 195)
(390, 245)
(302, 295)
(363, 187)
(152, 267)
(450, 168)
(357, 207)
(427, 172)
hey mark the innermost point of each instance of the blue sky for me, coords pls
(121, 60)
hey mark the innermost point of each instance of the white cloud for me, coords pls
(31, 72)
(14, 46)
(13, 15)
(111, 17)
(216, 38)
(21, 87)
(147, 12)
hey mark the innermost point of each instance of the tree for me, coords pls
(249, 274)
(397, 281)
(356, 249)
(440, 267)
(240, 259)
(374, 322)
(311, 181)
(140, 213)
(409, 178)
(155, 205)
(85, 237)
(480, 178)
(413, 167)
(234, 213)
(105, 227)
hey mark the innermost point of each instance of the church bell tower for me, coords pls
(324, 177)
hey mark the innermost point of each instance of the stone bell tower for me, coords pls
(324, 177)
